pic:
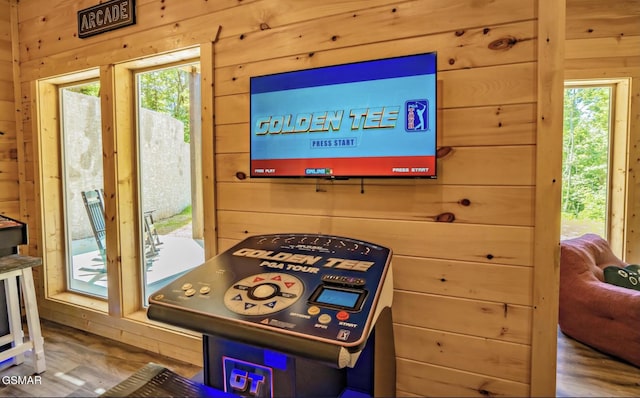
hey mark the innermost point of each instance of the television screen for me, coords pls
(366, 119)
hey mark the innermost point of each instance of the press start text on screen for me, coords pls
(348, 142)
(410, 170)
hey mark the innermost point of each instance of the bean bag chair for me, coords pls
(593, 311)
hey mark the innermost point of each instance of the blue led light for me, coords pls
(275, 359)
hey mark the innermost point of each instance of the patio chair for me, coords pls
(151, 237)
(94, 204)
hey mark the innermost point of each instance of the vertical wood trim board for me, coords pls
(551, 33)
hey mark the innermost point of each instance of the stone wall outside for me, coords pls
(166, 167)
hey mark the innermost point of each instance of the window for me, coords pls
(109, 165)
(594, 160)
(85, 241)
(169, 173)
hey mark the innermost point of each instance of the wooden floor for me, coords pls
(584, 372)
(80, 364)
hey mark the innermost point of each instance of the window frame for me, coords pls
(52, 209)
(616, 218)
(119, 144)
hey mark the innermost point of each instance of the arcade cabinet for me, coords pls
(290, 315)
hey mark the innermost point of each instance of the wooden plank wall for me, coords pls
(479, 270)
(464, 295)
(9, 188)
(603, 41)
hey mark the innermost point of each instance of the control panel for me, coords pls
(316, 287)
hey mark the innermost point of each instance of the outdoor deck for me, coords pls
(177, 254)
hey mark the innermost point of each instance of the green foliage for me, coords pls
(586, 152)
(92, 89)
(167, 91)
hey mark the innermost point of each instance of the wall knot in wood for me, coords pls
(503, 43)
(445, 217)
(443, 151)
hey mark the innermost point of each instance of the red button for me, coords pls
(342, 315)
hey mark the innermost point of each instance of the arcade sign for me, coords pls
(107, 16)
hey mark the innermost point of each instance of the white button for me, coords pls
(263, 291)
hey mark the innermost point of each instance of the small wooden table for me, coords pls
(13, 268)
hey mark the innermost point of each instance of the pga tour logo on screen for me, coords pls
(417, 112)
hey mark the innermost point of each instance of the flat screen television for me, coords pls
(365, 119)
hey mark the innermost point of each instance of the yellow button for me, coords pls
(313, 310)
(190, 292)
(324, 318)
(187, 286)
(205, 289)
